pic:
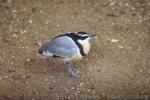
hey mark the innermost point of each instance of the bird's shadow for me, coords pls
(45, 66)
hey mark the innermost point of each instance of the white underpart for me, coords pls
(85, 44)
(47, 53)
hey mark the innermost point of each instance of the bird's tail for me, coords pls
(40, 51)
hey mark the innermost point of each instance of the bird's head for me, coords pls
(83, 39)
(84, 36)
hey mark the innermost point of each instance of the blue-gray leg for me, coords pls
(70, 70)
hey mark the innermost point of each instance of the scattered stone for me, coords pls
(1, 78)
(27, 47)
(33, 99)
(11, 63)
(147, 80)
(139, 20)
(41, 11)
(126, 4)
(112, 23)
(21, 31)
(15, 35)
(28, 60)
(136, 32)
(141, 70)
(81, 84)
(58, 25)
(112, 3)
(114, 40)
(94, 92)
(46, 80)
(73, 88)
(78, 71)
(30, 21)
(5, 77)
(139, 81)
(104, 94)
(120, 46)
(69, 97)
(38, 43)
(14, 11)
(9, 3)
(24, 76)
(25, 31)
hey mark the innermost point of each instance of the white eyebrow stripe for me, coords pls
(83, 34)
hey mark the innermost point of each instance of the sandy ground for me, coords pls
(117, 67)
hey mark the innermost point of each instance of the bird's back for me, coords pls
(62, 46)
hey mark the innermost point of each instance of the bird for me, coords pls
(68, 46)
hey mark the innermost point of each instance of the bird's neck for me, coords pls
(86, 45)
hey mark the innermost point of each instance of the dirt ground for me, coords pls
(117, 67)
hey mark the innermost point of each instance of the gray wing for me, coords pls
(60, 46)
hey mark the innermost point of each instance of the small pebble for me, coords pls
(46, 80)
(30, 21)
(5, 77)
(89, 90)
(141, 70)
(73, 88)
(24, 76)
(48, 83)
(41, 11)
(58, 25)
(15, 35)
(103, 93)
(112, 23)
(114, 40)
(27, 47)
(120, 46)
(126, 4)
(136, 32)
(112, 3)
(28, 60)
(21, 31)
(14, 11)
(32, 99)
(38, 43)
(78, 71)
(69, 97)
(1, 78)
(139, 21)
(81, 84)
(93, 92)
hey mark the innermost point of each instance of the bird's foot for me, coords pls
(71, 71)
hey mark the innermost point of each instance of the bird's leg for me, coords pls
(70, 70)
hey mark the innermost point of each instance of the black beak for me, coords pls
(93, 35)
